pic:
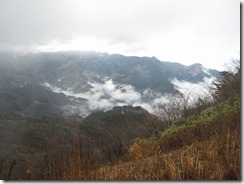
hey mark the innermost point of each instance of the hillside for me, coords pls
(101, 138)
(78, 83)
(203, 147)
(113, 131)
(187, 140)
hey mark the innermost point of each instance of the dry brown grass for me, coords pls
(205, 160)
(208, 151)
(216, 157)
(64, 165)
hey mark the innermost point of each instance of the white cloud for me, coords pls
(186, 31)
(192, 90)
(106, 95)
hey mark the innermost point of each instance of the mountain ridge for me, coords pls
(94, 81)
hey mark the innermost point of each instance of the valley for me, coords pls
(93, 116)
(78, 83)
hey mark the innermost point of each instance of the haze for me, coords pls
(184, 31)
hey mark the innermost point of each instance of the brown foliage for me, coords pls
(217, 158)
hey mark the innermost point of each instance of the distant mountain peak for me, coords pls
(91, 81)
(196, 65)
(130, 109)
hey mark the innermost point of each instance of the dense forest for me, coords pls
(185, 140)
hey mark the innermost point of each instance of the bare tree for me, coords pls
(230, 82)
(153, 124)
(178, 107)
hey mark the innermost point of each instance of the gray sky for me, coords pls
(184, 31)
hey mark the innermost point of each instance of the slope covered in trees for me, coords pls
(199, 146)
(200, 141)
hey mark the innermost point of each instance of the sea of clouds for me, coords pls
(106, 95)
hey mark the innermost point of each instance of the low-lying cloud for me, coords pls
(194, 89)
(106, 95)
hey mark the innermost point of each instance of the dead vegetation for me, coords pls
(202, 145)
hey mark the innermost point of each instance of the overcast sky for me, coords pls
(184, 31)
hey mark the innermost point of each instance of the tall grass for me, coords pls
(215, 155)
(206, 150)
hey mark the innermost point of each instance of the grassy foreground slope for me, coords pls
(203, 147)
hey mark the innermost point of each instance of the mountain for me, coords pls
(105, 136)
(123, 143)
(78, 83)
(113, 131)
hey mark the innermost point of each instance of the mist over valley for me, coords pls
(78, 83)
